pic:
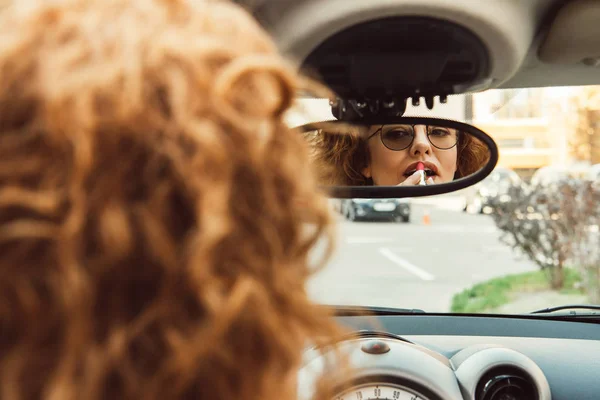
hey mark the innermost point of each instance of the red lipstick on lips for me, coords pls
(421, 169)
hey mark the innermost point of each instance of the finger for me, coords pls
(412, 180)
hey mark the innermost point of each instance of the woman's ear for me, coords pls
(366, 172)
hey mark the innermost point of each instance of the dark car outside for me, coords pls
(376, 209)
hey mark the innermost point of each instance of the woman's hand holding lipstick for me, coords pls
(418, 177)
(414, 180)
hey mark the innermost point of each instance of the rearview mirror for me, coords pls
(399, 156)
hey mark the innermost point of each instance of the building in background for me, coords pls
(530, 126)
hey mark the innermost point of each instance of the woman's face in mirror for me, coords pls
(395, 151)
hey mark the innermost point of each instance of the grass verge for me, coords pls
(496, 292)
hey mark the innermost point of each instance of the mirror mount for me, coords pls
(351, 110)
(360, 109)
(400, 57)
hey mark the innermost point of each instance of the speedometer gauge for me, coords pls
(384, 391)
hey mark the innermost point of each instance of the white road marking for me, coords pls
(367, 240)
(413, 269)
(402, 249)
(497, 249)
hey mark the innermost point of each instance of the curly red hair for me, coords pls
(153, 205)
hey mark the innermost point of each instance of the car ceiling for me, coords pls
(533, 43)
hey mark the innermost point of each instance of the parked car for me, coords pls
(555, 173)
(376, 209)
(498, 183)
(594, 173)
(549, 174)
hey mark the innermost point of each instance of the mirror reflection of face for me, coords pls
(395, 151)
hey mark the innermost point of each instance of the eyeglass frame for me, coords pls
(380, 130)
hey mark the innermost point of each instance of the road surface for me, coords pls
(414, 265)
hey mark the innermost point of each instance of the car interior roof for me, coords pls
(533, 43)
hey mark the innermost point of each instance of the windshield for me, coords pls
(525, 238)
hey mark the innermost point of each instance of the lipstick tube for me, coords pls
(421, 169)
(422, 181)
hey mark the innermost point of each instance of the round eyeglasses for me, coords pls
(400, 137)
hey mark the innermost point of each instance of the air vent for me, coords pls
(506, 384)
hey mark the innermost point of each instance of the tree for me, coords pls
(529, 223)
(584, 143)
(582, 209)
(555, 225)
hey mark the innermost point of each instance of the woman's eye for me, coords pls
(439, 132)
(397, 134)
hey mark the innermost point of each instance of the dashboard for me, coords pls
(456, 357)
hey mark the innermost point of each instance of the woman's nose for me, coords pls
(420, 144)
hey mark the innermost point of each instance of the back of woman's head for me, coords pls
(155, 213)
